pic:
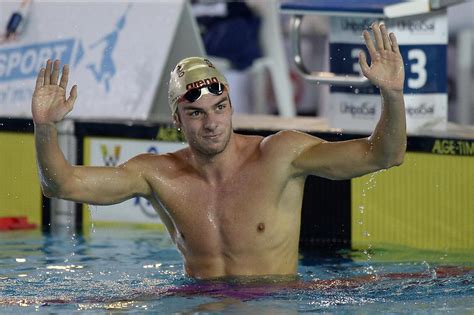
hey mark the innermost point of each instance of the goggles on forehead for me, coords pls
(194, 94)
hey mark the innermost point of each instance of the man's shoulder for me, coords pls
(284, 138)
(288, 143)
(158, 160)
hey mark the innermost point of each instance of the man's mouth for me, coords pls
(212, 137)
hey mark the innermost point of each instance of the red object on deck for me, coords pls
(15, 223)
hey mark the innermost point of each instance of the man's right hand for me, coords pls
(49, 104)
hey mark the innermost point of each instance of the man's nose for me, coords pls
(210, 122)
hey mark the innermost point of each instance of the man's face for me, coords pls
(206, 123)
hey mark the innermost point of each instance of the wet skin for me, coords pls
(231, 203)
(239, 218)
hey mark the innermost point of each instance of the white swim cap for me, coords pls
(190, 73)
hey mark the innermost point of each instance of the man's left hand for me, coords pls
(386, 70)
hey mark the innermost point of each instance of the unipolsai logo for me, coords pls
(364, 110)
(110, 158)
(421, 111)
(415, 25)
(356, 25)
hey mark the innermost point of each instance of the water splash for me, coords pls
(92, 210)
(368, 186)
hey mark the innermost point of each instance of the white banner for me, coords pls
(423, 46)
(423, 111)
(117, 51)
(112, 152)
(423, 29)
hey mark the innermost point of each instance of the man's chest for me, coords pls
(238, 214)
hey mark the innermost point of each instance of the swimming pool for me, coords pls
(139, 271)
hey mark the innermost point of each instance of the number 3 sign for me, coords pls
(423, 44)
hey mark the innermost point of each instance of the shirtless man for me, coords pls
(231, 203)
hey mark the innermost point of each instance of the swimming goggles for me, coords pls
(194, 94)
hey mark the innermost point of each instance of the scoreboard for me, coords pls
(423, 45)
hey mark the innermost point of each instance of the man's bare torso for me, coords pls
(246, 223)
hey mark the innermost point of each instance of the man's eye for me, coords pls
(221, 106)
(194, 114)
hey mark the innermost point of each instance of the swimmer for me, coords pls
(231, 203)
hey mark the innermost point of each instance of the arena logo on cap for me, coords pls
(201, 83)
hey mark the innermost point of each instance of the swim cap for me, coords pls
(190, 73)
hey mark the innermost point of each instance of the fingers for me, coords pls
(363, 63)
(382, 39)
(40, 79)
(50, 74)
(377, 35)
(72, 98)
(395, 47)
(55, 74)
(370, 44)
(385, 39)
(64, 77)
(47, 73)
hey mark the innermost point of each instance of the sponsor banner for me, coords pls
(117, 55)
(423, 46)
(423, 111)
(418, 30)
(453, 147)
(112, 152)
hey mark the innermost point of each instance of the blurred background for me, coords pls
(250, 41)
(239, 26)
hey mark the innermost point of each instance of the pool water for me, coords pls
(139, 271)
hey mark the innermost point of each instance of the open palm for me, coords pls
(49, 103)
(386, 70)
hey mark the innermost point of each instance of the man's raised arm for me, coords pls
(387, 144)
(94, 185)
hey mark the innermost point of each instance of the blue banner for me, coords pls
(24, 62)
(425, 67)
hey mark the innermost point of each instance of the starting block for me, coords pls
(422, 33)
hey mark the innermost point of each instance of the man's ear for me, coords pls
(176, 120)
